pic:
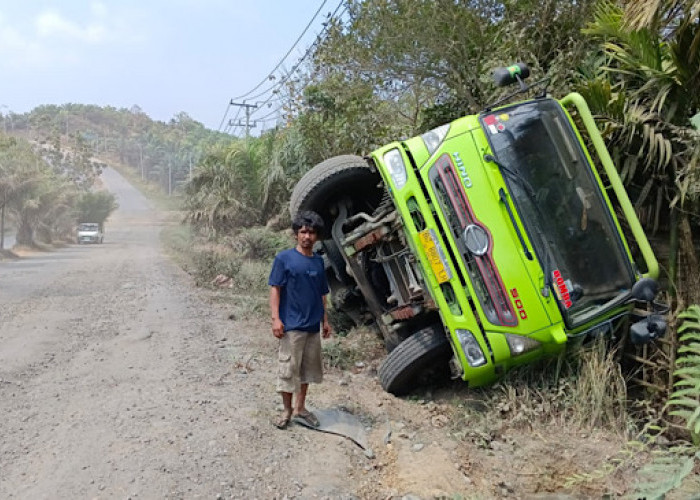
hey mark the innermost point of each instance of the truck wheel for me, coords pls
(332, 180)
(427, 348)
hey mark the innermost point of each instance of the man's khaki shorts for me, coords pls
(299, 361)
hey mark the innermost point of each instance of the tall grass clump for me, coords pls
(599, 391)
(259, 243)
(178, 241)
(583, 388)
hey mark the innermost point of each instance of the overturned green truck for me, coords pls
(486, 243)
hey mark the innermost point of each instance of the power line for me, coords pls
(306, 54)
(224, 117)
(233, 124)
(247, 108)
(286, 55)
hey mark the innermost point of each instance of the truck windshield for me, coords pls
(560, 204)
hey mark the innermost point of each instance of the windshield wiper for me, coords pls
(530, 191)
(504, 199)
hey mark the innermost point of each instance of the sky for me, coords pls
(165, 56)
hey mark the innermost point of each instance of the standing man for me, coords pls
(298, 289)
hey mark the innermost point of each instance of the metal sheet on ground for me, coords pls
(339, 422)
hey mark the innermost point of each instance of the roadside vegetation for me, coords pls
(394, 69)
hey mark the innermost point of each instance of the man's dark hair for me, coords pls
(308, 219)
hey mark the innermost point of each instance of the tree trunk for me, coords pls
(44, 235)
(2, 226)
(673, 253)
(25, 234)
(687, 276)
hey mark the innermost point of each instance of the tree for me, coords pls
(22, 173)
(37, 209)
(225, 190)
(95, 206)
(432, 60)
(646, 92)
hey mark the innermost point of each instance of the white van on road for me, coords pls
(90, 232)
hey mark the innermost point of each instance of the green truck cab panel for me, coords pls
(505, 282)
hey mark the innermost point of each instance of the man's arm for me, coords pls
(327, 330)
(277, 325)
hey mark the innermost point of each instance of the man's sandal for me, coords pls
(283, 422)
(306, 418)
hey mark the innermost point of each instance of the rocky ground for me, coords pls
(121, 379)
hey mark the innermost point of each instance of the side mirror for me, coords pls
(645, 290)
(512, 74)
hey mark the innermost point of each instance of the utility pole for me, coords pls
(2, 225)
(247, 108)
(140, 158)
(170, 178)
(4, 118)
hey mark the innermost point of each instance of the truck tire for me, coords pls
(333, 179)
(426, 348)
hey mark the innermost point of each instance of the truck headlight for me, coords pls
(520, 345)
(397, 167)
(472, 349)
(433, 138)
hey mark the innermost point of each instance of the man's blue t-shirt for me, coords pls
(303, 283)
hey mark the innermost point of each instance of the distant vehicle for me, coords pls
(90, 232)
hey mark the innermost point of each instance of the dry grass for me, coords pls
(582, 390)
(599, 392)
(360, 345)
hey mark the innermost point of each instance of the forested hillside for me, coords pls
(164, 153)
(51, 158)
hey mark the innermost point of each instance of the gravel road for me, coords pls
(120, 379)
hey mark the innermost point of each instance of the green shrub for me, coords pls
(252, 276)
(259, 243)
(211, 262)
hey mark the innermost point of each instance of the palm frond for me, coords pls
(684, 401)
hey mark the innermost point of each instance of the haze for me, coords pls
(164, 56)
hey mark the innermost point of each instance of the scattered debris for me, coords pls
(222, 281)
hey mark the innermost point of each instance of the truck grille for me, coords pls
(482, 270)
